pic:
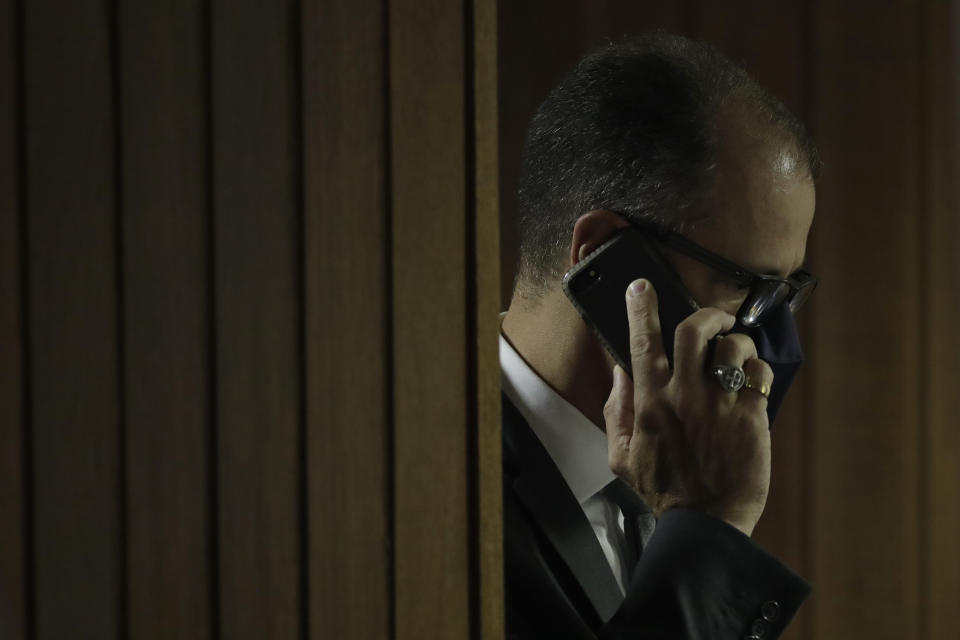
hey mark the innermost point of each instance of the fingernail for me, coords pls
(637, 287)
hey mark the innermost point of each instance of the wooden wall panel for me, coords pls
(940, 369)
(75, 403)
(256, 258)
(485, 258)
(12, 417)
(162, 53)
(864, 529)
(260, 250)
(348, 345)
(430, 368)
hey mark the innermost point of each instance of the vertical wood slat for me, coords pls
(255, 195)
(940, 207)
(864, 415)
(430, 399)
(12, 467)
(486, 260)
(73, 310)
(770, 41)
(165, 353)
(347, 318)
(163, 132)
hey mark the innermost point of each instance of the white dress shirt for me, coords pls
(578, 449)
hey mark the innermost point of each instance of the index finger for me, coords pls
(648, 360)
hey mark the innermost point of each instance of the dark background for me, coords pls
(865, 498)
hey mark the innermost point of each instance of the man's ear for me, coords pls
(592, 230)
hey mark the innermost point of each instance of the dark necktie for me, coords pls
(638, 520)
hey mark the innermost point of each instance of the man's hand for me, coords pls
(676, 436)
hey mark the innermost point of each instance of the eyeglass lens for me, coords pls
(764, 297)
(800, 298)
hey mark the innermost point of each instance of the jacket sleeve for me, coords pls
(700, 578)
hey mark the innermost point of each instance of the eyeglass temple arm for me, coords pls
(676, 241)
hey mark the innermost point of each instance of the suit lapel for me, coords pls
(544, 493)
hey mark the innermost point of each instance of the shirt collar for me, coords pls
(574, 443)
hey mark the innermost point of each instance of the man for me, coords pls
(643, 531)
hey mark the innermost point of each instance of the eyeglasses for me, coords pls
(767, 293)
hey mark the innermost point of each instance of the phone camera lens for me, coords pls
(585, 280)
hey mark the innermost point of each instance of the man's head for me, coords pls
(664, 129)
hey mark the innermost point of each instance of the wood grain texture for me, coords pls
(865, 423)
(486, 257)
(486, 266)
(166, 313)
(347, 318)
(430, 336)
(12, 467)
(940, 369)
(256, 231)
(73, 311)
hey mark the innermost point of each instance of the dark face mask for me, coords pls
(778, 344)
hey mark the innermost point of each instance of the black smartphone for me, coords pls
(597, 287)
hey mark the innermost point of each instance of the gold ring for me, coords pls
(763, 388)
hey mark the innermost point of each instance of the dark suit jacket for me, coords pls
(697, 577)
